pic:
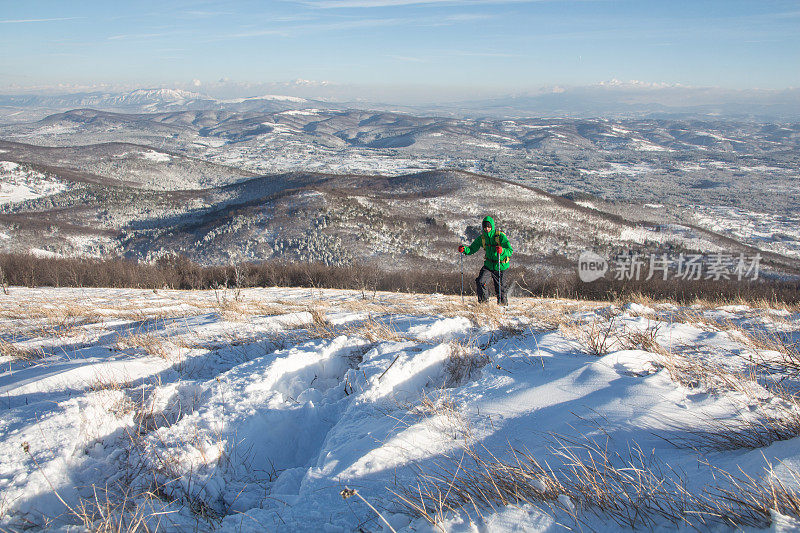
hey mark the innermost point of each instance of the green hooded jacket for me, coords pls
(489, 242)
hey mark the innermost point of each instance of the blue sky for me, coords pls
(481, 45)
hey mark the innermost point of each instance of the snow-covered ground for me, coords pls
(254, 410)
(18, 183)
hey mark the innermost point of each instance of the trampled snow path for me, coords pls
(252, 411)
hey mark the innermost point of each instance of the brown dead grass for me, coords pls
(148, 343)
(632, 488)
(10, 349)
(374, 330)
(463, 361)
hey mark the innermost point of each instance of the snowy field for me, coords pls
(328, 410)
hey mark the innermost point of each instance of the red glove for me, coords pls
(499, 250)
(461, 249)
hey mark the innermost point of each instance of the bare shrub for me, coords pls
(3, 281)
(179, 272)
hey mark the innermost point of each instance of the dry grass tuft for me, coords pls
(463, 361)
(782, 344)
(632, 488)
(644, 340)
(596, 337)
(64, 320)
(599, 337)
(695, 372)
(269, 309)
(149, 343)
(751, 502)
(757, 431)
(320, 327)
(445, 412)
(474, 484)
(374, 330)
(9, 349)
(486, 314)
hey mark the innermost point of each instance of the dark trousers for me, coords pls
(499, 288)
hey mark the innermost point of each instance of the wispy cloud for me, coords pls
(338, 4)
(248, 35)
(206, 14)
(139, 36)
(408, 59)
(468, 17)
(27, 21)
(332, 26)
(351, 24)
(467, 53)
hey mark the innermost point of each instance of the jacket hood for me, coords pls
(490, 220)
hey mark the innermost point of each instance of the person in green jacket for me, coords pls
(497, 252)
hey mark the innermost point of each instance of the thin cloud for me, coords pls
(341, 25)
(339, 4)
(139, 36)
(27, 21)
(408, 59)
(469, 17)
(248, 34)
(467, 53)
(206, 14)
(292, 30)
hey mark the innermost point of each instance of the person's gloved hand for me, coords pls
(461, 249)
(499, 250)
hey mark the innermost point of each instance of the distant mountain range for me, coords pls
(610, 100)
(287, 177)
(154, 100)
(624, 101)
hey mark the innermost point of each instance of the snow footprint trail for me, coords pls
(256, 420)
(293, 425)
